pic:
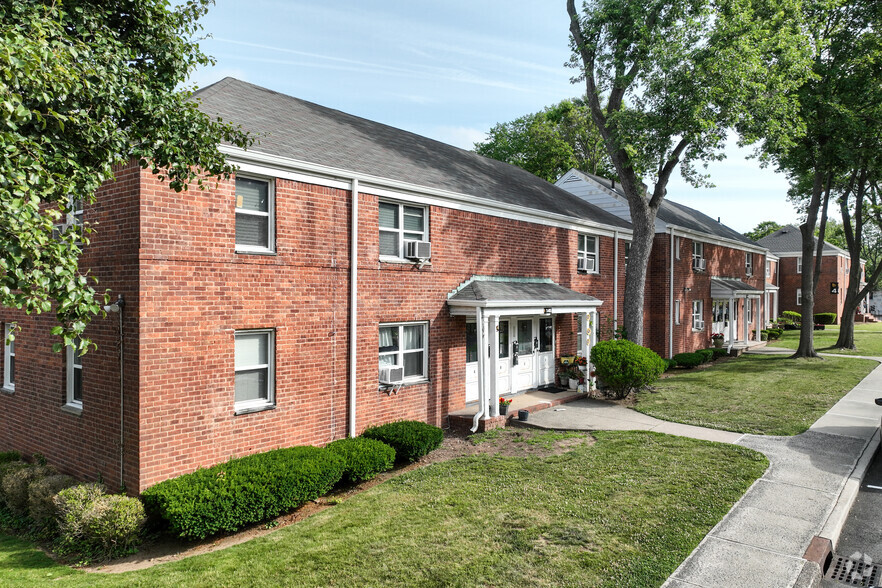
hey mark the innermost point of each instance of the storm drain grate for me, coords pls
(853, 572)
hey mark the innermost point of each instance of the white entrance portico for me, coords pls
(735, 306)
(513, 319)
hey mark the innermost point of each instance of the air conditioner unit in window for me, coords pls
(391, 374)
(698, 325)
(417, 250)
(586, 264)
(699, 264)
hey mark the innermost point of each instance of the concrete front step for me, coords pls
(462, 422)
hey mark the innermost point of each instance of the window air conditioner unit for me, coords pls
(586, 264)
(391, 374)
(699, 264)
(417, 249)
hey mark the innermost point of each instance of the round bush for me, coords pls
(365, 458)
(706, 355)
(15, 486)
(7, 456)
(688, 360)
(410, 439)
(112, 524)
(825, 318)
(625, 366)
(71, 505)
(41, 497)
(669, 364)
(719, 352)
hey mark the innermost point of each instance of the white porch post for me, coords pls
(731, 322)
(745, 330)
(482, 364)
(493, 327)
(592, 341)
(775, 294)
(756, 321)
(583, 334)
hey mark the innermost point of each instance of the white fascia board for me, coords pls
(287, 168)
(771, 256)
(707, 238)
(824, 254)
(523, 310)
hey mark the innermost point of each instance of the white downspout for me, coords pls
(671, 301)
(353, 306)
(482, 392)
(615, 283)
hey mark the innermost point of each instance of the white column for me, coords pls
(493, 330)
(483, 374)
(592, 341)
(583, 334)
(775, 294)
(731, 322)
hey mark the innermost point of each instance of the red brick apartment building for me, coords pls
(276, 309)
(786, 245)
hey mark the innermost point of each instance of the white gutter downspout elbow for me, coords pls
(671, 301)
(353, 308)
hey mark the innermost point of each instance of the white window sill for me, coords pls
(255, 251)
(248, 409)
(405, 384)
(694, 330)
(8, 389)
(403, 261)
(76, 409)
(595, 273)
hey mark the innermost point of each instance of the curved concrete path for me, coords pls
(807, 490)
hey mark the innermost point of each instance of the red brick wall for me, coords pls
(834, 268)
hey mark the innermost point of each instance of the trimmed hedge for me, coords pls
(625, 366)
(669, 364)
(688, 360)
(706, 355)
(825, 318)
(792, 316)
(718, 352)
(365, 458)
(774, 334)
(228, 496)
(15, 486)
(41, 498)
(410, 439)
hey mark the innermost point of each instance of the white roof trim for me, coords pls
(708, 238)
(288, 168)
(824, 254)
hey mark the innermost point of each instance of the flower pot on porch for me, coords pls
(503, 409)
(574, 383)
(718, 343)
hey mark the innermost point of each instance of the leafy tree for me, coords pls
(84, 85)
(550, 142)
(689, 70)
(763, 229)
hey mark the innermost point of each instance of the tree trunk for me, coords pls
(846, 324)
(807, 330)
(643, 222)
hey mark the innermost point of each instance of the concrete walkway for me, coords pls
(808, 489)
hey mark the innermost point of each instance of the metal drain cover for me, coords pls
(854, 571)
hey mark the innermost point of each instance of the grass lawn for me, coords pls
(760, 394)
(867, 339)
(624, 511)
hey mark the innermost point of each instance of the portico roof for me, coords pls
(732, 288)
(509, 296)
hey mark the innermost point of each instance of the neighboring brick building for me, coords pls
(786, 244)
(700, 273)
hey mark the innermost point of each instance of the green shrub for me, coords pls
(719, 352)
(7, 456)
(706, 355)
(15, 486)
(71, 505)
(625, 366)
(764, 335)
(825, 318)
(112, 525)
(792, 316)
(364, 458)
(688, 360)
(774, 334)
(231, 495)
(41, 498)
(410, 439)
(669, 364)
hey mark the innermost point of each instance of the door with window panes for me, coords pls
(503, 366)
(535, 345)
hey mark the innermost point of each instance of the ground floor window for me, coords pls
(799, 297)
(698, 315)
(406, 345)
(74, 375)
(677, 311)
(9, 357)
(255, 353)
(546, 335)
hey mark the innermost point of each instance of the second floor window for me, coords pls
(698, 262)
(400, 223)
(799, 265)
(768, 269)
(748, 263)
(587, 260)
(255, 226)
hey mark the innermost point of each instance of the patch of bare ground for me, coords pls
(509, 442)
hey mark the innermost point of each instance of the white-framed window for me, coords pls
(587, 255)
(74, 376)
(400, 223)
(698, 315)
(698, 262)
(407, 345)
(9, 357)
(799, 297)
(677, 247)
(748, 263)
(676, 312)
(627, 253)
(768, 269)
(255, 215)
(799, 265)
(255, 369)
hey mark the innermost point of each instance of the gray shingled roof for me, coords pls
(518, 290)
(673, 213)
(789, 239)
(725, 287)
(293, 128)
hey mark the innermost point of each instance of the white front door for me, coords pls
(545, 357)
(503, 366)
(525, 370)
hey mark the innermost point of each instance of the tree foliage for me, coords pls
(550, 142)
(689, 70)
(763, 229)
(84, 85)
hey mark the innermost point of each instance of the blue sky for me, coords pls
(447, 70)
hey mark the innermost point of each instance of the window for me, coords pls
(768, 269)
(627, 253)
(546, 335)
(406, 345)
(799, 297)
(503, 339)
(9, 357)
(472, 341)
(587, 258)
(255, 377)
(748, 263)
(255, 226)
(698, 262)
(400, 223)
(74, 375)
(799, 265)
(697, 315)
(677, 247)
(676, 312)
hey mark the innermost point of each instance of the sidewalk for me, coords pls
(807, 491)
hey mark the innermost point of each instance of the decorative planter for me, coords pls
(718, 343)
(503, 409)
(574, 383)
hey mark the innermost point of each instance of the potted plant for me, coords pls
(717, 338)
(573, 377)
(581, 362)
(504, 403)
